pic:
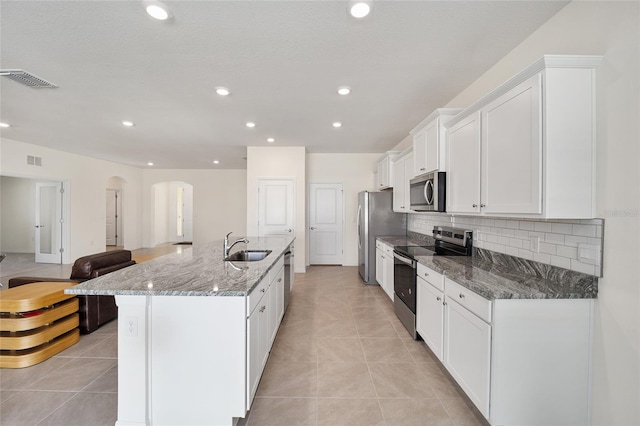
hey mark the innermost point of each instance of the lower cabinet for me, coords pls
(520, 361)
(384, 267)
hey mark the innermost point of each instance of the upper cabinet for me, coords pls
(527, 149)
(385, 171)
(402, 174)
(429, 141)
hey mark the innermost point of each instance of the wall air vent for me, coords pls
(27, 79)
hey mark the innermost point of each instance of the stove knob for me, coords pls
(409, 291)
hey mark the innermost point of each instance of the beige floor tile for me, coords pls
(29, 407)
(109, 328)
(106, 383)
(380, 327)
(414, 412)
(283, 411)
(95, 409)
(345, 380)
(6, 395)
(289, 379)
(399, 380)
(294, 349)
(440, 382)
(385, 350)
(21, 378)
(419, 351)
(349, 412)
(108, 348)
(74, 375)
(340, 349)
(462, 413)
(336, 328)
(86, 342)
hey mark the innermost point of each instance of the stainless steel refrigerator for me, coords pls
(375, 218)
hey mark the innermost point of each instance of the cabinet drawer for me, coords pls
(388, 249)
(380, 244)
(432, 277)
(470, 300)
(256, 294)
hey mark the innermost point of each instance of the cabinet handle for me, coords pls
(444, 303)
(263, 308)
(422, 168)
(438, 298)
(461, 296)
(380, 184)
(474, 205)
(483, 205)
(262, 290)
(279, 280)
(426, 274)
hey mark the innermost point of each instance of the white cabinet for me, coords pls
(259, 338)
(384, 267)
(402, 174)
(430, 308)
(527, 149)
(429, 141)
(506, 353)
(385, 171)
(467, 352)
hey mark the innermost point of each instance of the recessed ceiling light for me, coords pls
(344, 90)
(222, 91)
(127, 123)
(216, 162)
(157, 10)
(359, 9)
(149, 163)
(4, 125)
(337, 124)
(271, 140)
(251, 124)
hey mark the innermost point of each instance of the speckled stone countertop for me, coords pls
(498, 276)
(197, 271)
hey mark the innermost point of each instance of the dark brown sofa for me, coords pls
(94, 310)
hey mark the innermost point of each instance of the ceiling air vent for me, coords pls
(27, 79)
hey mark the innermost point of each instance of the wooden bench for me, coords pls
(37, 321)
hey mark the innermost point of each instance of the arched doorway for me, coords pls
(172, 212)
(114, 216)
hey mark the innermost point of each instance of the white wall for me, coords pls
(611, 29)
(87, 179)
(219, 202)
(160, 202)
(281, 162)
(355, 172)
(17, 215)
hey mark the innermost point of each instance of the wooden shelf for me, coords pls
(37, 321)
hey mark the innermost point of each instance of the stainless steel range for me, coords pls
(448, 242)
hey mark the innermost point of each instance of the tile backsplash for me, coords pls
(558, 240)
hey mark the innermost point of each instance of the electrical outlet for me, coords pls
(132, 326)
(534, 244)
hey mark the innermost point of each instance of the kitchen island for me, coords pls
(194, 332)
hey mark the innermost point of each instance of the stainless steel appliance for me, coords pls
(375, 218)
(428, 192)
(288, 275)
(448, 242)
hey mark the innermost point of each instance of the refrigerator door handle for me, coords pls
(358, 227)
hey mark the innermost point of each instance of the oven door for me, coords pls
(404, 280)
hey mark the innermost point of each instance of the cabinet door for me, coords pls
(272, 309)
(383, 173)
(255, 351)
(279, 283)
(264, 328)
(420, 159)
(463, 166)
(430, 316)
(467, 353)
(432, 142)
(512, 151)
(380, 267)
(408, 175)
(399, 188)
(388, 270)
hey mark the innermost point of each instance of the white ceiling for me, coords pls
(283, 62)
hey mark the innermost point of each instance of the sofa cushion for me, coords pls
(84, 267)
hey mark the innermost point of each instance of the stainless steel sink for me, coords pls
(248, 255)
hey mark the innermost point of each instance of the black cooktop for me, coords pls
(413, 251)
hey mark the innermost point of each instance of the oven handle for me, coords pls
(406, 260)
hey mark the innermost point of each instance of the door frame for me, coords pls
(344, 212)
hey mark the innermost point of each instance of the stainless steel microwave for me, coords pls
(428, 192)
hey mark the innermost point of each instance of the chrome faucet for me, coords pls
(228, 247)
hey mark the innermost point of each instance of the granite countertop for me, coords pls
(197, 271)
(497, 276)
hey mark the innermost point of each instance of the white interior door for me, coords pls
(276, 201)
(48, 226)
(187, 213)
(325, 224)
(112, 217)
